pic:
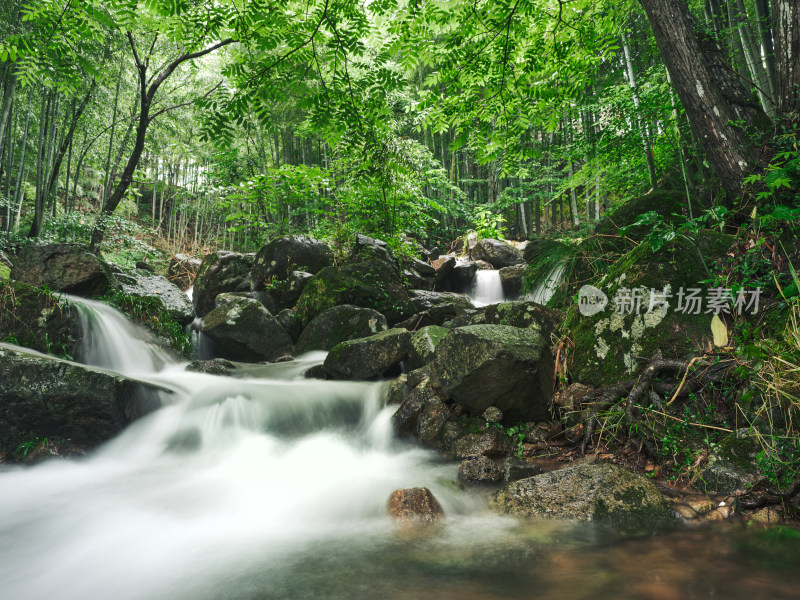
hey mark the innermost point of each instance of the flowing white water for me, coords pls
(111, 341)
(486, 288)
(244, 476)
(547, 287)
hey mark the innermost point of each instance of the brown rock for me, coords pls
(414, 505)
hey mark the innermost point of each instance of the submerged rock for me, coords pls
(496, 252)
(370, 357)
(73, 406)
(246, 331)
(67, 268)
(479, 469)
(496, 365)
(280, 257)
(587, 491)
(339, 324)
(220, 272)
(215, 366)
(414, 505)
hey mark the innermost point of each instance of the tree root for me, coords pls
(770, 496)
(606, 396)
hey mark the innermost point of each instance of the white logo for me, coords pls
(591, 300)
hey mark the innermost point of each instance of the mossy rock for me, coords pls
(496, 365)
(371, 284)
(220, 272)
(38, 319)
(731, 465)
(67, 406)
(424, 343)
(5, 272)
(246, 331)
(68, 268)
(339, 324)
(588, 491)
(666, 203)
(370, 357)
(606, 344)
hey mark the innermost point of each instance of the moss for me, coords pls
(5, 272)
(606, 345)
(666, 203)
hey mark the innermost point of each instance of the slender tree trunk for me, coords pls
(755, 66)
(648, 151)
(21, 169)
(5, 112)
(36, 226)
(765, 41)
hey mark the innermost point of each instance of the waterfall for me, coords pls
(546, 288)
(486, 288)
(234, 481)
(111, 341)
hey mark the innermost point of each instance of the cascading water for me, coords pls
(111, 341)
(486, 288)
(275, 488)
(546, 288)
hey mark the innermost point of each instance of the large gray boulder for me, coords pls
(280, 257)
(339, 324)
(523, 313)
(512, 279)
(165, 294)
(497, 365)
(220, 272)
(72, 406)
(244, 330)
(498, 253)
(595, 492)
(370, 357)
(425, 300)
(68, 268)
(370, 284)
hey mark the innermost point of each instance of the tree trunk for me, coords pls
(786, 34)
(712, 118)
(648, 151)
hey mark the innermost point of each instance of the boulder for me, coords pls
(369, 357)
(71, 406)
(444, 266)
(228, 297)
(432, 417)
(414, 506)
(731, 465)
(39, 320)
(280, 257)
(183, 269)
(424, 343)
(421, 267)
(339, 324)
(415, 280)
(67, 268)
(291, 323)
(462, 276)
(608, 342)
(479, 469)
(166, 295)
(492, 415)
(417, 376)
(244, 330)
(490, 442)
(370, 284)
(220, 272)
(498, 253)
(511, 278)
(398, 390)
(497, 365)
(568, 401)
(525, 314)
(587, 491)
(405, 418)
(515, 468)
(425, 300)
(366, 248)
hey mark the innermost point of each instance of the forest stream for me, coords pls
(276, 487)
